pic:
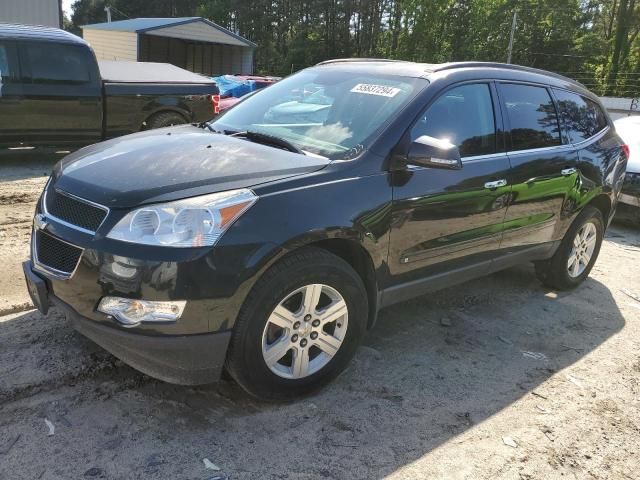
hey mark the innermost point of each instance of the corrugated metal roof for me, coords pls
(142, 25)
(38, 32)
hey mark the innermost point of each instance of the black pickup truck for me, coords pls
(53, 92)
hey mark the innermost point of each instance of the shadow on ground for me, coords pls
(431, 369)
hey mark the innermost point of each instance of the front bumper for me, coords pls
(181, 359)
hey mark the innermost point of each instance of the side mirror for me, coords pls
(427, 151)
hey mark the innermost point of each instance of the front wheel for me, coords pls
(577, 252)
(299, 327)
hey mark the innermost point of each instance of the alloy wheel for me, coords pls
(305, 331)
(584, 243)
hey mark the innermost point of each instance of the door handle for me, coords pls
(495, 184)
(568, 171)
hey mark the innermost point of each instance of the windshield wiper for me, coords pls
(268, 140)
(208, 126)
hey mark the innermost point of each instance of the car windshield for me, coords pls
(321, 111)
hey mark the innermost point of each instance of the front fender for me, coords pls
(355, 209)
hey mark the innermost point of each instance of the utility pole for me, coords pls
(513, 31)
(107, 9)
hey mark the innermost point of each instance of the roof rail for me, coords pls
(507, 66)
(354, 60)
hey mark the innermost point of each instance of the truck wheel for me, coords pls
(299, 327)
(577, 252)
(165, 119)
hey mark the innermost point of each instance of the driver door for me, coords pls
(446, 221)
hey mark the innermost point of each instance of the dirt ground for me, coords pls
(496, 378)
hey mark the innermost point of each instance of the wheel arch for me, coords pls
(603, 203)
(359, 259)
(160, 110)
(348, 248)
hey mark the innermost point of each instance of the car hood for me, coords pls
(172, 163)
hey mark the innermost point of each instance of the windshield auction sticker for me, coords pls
(379, 90)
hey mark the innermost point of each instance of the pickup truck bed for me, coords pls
(148, 72)
(136, 93)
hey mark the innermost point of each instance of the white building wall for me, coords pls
(621, 107)
(112, 45)
(31, 12)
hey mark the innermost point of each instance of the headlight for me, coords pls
(192, 222)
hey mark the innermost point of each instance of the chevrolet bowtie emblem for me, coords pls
(40, 221)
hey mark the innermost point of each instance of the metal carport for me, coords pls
(193, 43)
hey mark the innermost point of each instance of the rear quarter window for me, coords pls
(532, 116)
(582, 117)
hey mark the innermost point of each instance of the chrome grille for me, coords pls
(54, 254)
(74, 211)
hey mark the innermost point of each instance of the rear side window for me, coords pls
(55, 63)
(464, 117)
(532, 116)
(8, 63)
(582, 117)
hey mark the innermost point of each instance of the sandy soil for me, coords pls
(22, 177)
(438, 389)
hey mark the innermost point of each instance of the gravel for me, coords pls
(419, 400)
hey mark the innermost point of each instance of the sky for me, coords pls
(66, 7)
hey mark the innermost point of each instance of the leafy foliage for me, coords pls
(593, 41)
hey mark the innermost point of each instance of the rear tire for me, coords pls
(577, 253)
(165, 119)
(283, 345)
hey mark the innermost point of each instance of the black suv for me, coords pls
(266, 241)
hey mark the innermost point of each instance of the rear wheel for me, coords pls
(576, 254)
(299, 327)
(165, 119)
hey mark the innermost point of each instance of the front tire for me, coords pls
(577, 253)
(299, 327)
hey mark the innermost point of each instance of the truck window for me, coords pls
(56, 63)
(532, 116)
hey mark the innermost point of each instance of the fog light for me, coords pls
(131, 312)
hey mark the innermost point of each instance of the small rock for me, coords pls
(445, 321)
(535, 355)
(510, 442)
(93, 472)
(574, 380)
(210, 465)
(52, 428)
